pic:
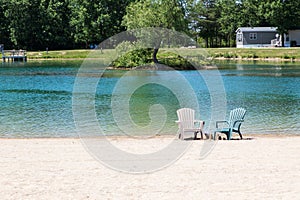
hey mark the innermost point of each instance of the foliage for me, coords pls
(36, 24)
(160, 13)
(93, 21)
(150, 13)
(202, 16)
(69, 24)
(284, 14)
(132, 54)
(59, 24)
(229, 19)
(134, 58)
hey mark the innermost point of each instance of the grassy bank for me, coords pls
(255, 53)
(63, 54)
(215, 53)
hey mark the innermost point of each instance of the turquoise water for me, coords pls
(36, 97)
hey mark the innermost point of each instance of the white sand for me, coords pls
(262, 168)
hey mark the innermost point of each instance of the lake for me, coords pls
(37, 98)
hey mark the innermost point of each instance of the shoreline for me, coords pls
(169, 136)
(234, 54)
(259, 59)
(275, 59)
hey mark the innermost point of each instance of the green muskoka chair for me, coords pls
(233, 124)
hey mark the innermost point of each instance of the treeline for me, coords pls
(59, 24)
(69, 24)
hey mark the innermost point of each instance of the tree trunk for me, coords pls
(155, 51)
(282, 40)
(154, 55)
(206, 42)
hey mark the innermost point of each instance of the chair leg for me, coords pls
(229, 134)
(201, 135)
(215, 135)
(180, 134)
(240, 134)
(195, 135)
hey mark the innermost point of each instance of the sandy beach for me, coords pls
(263, 167)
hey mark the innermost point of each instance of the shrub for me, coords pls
(134, 58)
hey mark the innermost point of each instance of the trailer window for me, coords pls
(253, 36)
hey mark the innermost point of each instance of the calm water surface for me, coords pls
(36, 97)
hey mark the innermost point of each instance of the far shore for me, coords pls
(265, 54)
(260, 59)
(216, 59)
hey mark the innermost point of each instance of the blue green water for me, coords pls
(36, 97)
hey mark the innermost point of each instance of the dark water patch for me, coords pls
(35, 91)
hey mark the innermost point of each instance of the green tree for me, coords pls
(155, 13)
(251, 14)
(203, 19)
(96, 20)
(56, 30)
(229, 19)
(37, 24)
(17, 14)
(4, 26)
(284, 14)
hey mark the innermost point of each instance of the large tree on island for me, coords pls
(167, 14)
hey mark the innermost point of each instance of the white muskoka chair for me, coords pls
(187, 123)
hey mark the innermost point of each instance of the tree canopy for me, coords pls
(166, 14)
(67, 24)
(59, 24)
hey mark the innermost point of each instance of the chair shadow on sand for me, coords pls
(244, 138)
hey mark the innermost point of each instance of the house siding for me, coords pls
(263, 38)
(293, 35)
(254, 37)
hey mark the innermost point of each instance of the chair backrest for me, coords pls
(236, 114)
(186, 116)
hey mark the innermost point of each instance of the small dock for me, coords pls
(14, 55)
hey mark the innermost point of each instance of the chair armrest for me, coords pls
(178, 123)
(201, 123)
(221, 122)
(237, 121)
